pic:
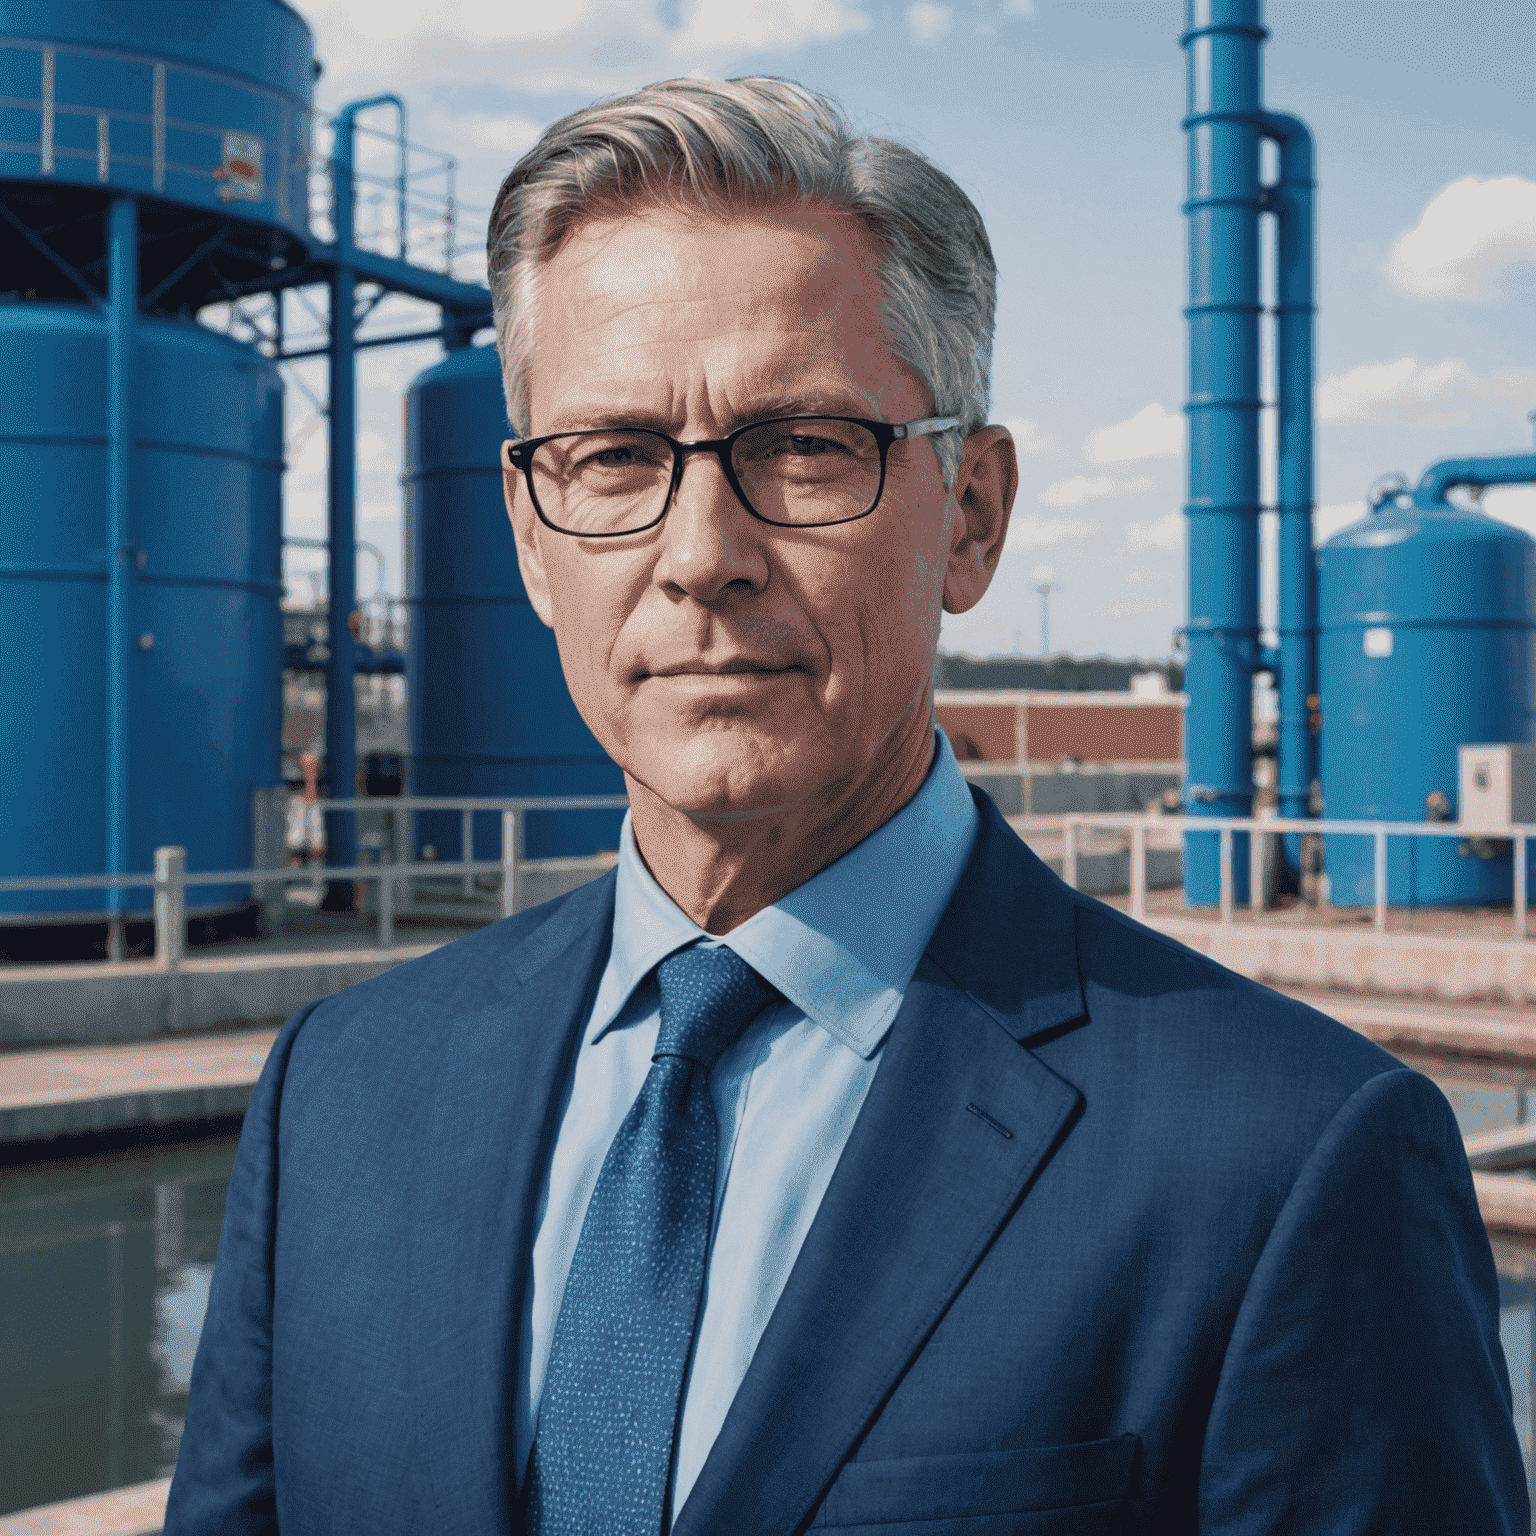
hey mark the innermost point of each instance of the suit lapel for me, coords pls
(495, 1108)
(959, 1119)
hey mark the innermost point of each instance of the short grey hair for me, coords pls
(726, 146)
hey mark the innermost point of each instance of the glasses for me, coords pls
(793, 472)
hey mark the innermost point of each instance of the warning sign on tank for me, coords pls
(240, 174)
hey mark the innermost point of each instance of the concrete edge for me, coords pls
(1507, 1201)
(115, 1112)
(1416, 965)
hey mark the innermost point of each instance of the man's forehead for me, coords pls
(801, 259)
(787, 303)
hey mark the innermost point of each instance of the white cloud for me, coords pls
(1327, 520)
(1512, 504)
(1033, 532)
(1137, 578)
(1127, 606)
(1166, 533)
(1475, 240)
(505, 134)
(373, 452)
(928, 23)
(1152, 433)
(1076, 489)
(1020, 8)
(587, 48)
(1029, 437)
(1420, 394)
(1043, 573)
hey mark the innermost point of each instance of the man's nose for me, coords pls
(711, 544)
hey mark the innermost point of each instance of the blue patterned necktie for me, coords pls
(602, 1454)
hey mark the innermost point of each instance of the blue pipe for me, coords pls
(122, 317)
(1222, 43)
(341, 533)
(1446, 474)
(1291, 201)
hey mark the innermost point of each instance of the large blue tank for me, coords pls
(489, 710)
(1426, 620)
(157, 96)
(205, 710)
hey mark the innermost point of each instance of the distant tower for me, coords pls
(1045, 588)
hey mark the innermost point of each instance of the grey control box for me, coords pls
(1497, 787)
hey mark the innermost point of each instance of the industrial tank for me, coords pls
(205, 105)
(204, 711)
(1425, 618)
(489, 710)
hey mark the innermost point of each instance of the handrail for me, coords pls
(171, 879)
(1518, 834)
(433, 232)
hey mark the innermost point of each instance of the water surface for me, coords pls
(104, 1268)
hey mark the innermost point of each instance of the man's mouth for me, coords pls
(736, 667)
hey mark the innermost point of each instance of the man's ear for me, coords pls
(525, 529)
(983, 494)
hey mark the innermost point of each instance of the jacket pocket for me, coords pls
(945, 1488)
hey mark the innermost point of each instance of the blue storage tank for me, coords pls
(489, 710)
(1425, 618)
(205, 104)
(205, 709)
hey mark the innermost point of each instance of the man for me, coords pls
(830, 1164)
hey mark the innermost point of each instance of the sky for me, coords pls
(1060, 119)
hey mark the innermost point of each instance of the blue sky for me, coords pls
(1061, 119)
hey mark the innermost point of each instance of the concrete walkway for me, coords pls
(72, 1089)
(138, 1510)
(107, 1000)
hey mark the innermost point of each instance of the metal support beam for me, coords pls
(122, 317)
(42, 247)
(341, 532)
(447, 335)
(340, 698)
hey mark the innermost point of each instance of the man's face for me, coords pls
(731, 667)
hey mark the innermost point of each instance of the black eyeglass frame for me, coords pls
(520, 456)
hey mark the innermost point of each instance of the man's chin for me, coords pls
(726, 780)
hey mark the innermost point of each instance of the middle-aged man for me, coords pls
(829, 1164)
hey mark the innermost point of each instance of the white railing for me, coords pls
(1224, 826)
(171, 879)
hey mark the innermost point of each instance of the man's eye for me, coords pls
(617, 456)
(809, 447)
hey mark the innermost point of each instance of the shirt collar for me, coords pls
(843, 946)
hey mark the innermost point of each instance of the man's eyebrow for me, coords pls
(590, 419)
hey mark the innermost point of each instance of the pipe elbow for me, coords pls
(1445, 474)
(1295, 141)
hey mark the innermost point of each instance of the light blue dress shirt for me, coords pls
(842, 949)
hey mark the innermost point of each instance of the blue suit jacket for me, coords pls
(1121, 1242)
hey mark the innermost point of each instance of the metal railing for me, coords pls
(407, 197)
(1378, 831)
(171, 878)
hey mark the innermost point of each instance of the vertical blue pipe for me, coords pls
(340, 696)
(1291, 202)
(1222, 43)
(122, 315)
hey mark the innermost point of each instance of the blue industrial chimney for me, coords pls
(1227, 126)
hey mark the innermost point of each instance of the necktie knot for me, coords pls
(708, 997)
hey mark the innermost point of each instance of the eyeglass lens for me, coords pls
(801, 473)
